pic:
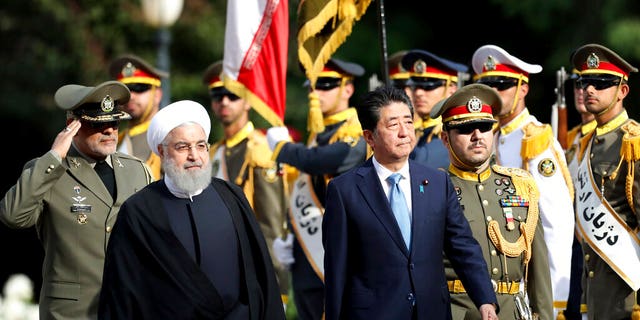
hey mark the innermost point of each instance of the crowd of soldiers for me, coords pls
(552, 221)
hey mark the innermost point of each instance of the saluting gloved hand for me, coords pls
(283, 250)
(277, 134)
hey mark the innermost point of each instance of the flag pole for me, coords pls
(384, 66)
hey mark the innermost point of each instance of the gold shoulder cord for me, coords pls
(630, 152)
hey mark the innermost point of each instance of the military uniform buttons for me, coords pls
(485, 202)
(52, 166)
(591, 274)
(494, 270)
(494, 253)
(587, 257)
(411, 266)
(591, 155)
(108, 229)
(48, 170)
(489, 218)
(480, 187)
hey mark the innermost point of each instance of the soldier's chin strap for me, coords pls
(460, 163)
(515, 99)
(611, 104)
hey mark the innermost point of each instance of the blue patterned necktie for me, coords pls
(399, 206)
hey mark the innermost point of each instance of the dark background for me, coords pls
(48, 43)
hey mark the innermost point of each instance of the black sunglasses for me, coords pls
(499, 84)
(218, 96)
(102, 125)
(326, 84)
(597, 83)
(427, 84)
(138, 87)
(471, 127)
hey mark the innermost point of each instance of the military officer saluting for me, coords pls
(432, 79)
(607, 195)
(524, 142)
(72, 195)
(143, 81)
(501, 205)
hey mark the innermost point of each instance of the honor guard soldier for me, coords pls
(329, 153)
(143, 80)
(398, 75)
(607, 196)
(432, 79)
(501, 205)
(72, 195)
(523, 142)
(243, 157)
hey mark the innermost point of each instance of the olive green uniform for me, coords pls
(489, 200)
(247, 159)
(607, 295)
(73, 214)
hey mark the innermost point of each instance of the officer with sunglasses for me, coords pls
(243, 157)
(432, 79)
(335, 148)
(501, 205)
(72, 195)
(607, 195)
(524, 142)
(143, 81)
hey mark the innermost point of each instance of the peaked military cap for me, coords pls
(212, 78)
(397, 73)
(94, 104)
(130, 68)
(472, 103)
(597, 59)
(493, 61)
(334, 71)
(423, 64)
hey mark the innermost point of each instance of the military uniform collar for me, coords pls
(470, 176)
(340, 116)
(139, 128)
(428, 122)
(613, 123)
(588, 127)
(516, 122)
(240, 135)
(75, 152)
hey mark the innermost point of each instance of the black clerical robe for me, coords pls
(148, 273)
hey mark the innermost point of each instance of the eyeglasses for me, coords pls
(327, 83)
(471, 127)
(499, 84)
(138, 87)
(102, 125)
(183, 147)
(597, 83)
(218, 96)
(426, 84)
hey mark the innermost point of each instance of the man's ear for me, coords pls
(368, 137)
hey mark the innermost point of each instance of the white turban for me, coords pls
(174, 115)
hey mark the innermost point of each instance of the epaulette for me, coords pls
(630, 150)
(258, 152)
(437, 129)
(536, 139)
(349, 132)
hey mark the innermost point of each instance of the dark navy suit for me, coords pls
(370, 274)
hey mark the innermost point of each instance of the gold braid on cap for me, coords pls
(524, 184)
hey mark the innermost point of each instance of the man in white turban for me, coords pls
(187, 246)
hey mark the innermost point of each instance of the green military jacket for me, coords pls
(501, 205)
(73, 214)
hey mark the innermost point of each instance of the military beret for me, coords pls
(94, 104)
(493, 61)
(130, 68)
(597, 59)
(470, 104)
(421, 63)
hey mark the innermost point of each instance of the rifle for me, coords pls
(559, 110)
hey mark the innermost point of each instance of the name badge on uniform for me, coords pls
(79, 208)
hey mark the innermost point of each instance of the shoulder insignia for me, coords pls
(435, 132)
(547, 167)
(512, 172)
(630, 150)
(536, 139)
(349, 132)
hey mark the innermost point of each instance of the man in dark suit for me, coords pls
(382, 260)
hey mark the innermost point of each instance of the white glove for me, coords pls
(283, 250)
(277, 134)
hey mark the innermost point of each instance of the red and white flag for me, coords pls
(255, 55)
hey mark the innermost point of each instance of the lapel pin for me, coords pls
(424, 183)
